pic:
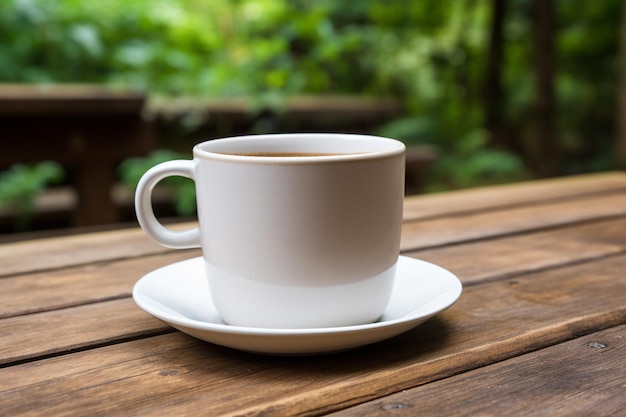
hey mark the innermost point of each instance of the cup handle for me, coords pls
(176, 239)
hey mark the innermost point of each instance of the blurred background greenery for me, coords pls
(504, 89)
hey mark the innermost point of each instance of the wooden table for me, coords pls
(539, 330)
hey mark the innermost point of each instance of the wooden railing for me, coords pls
(87, 129)
(90, 129)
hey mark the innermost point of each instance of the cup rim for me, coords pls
(346, 147)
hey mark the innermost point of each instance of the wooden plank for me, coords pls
(510, 195)
(65, 330)
(176, 375)
(64, 99)
(481, 225)
(59, 252)
(484, 260)
(86, 284)
(581, 377)
(472, 262)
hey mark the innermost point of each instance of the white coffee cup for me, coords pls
(309, 238)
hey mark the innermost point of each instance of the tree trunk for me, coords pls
(620, 148)
(493, 94)
(544, 145)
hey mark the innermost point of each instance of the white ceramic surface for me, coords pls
(294, 232)
(179, 295)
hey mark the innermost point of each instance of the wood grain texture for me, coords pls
(84, 284)
(583, 377)
(473, 263)
(542, 265)
(511, 195)
(490, 323)
(80, 249)
(501, 257)
(481, 225)
(68, 329)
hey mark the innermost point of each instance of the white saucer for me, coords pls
(179, 295)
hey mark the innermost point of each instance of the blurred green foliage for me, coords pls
(132, 169)
(20, 185)
(430, 54)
